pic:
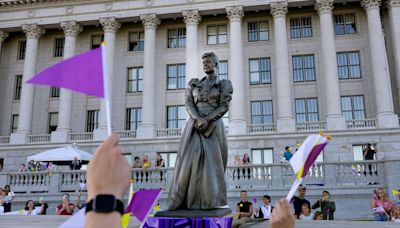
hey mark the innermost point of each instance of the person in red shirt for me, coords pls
(64, 208)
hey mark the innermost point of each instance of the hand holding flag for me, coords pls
(305, 157)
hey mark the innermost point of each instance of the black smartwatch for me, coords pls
(105, 204)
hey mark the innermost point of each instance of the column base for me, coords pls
(60, 136)
(146, 132)
(19, 138)
(285, 125)
(237, 128)
(387, 120)
(100, 134)
(335, 123)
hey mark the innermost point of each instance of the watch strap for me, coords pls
(119, 206)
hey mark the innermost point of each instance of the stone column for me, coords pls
(71, 30)
(191, 19)
(3, 36)
(110, 27)
(283, 101)
(380, 68)
(150, 23)
(237, 124)
(334, 118)
(33, 33)
(394, 18)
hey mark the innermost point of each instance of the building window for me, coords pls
(176, 116)
(54, 92)
(217, 34)
(303, 68)
(14, 123)
(358, 152)
(258, 31)
(260, 71)
(176, 38)
(353, 107)
(262, 156)
(53, 122)
(59, 47)
(92, 120)
(176, 76)
(169, 158)
(96, 41)
(345, 24)
(135, 80)
(300, 28)
(18, 86)
(136, 41)
(223, 70)
(261, 112)
(133, 118)
(306, 110)
(21, 50)
(349, 65)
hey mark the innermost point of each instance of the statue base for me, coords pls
(191, 218)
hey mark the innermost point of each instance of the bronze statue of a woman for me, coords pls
(198, 181)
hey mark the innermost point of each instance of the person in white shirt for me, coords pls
(306, 213)
(10, 196)
(1, 206)
(265, 210)
(31, 210)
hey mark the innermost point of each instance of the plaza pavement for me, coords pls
(52, 221)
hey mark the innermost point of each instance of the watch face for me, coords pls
(105, 203)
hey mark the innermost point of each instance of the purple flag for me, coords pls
(82, 73)
(142, 202)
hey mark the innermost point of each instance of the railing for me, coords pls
(169, 132)
(260, 128)
(29, 182)
(357, 124)
(38, 138)
(126, 134)
(311, 126)
(80, 137)
(4, 140)
(256, 177)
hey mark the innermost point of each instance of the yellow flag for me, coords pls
(395, 192)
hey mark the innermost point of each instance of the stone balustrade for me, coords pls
(39, 138)
(260, 128)
(361, 124)
(311, 126)
(168, 132)
(126, 134)
(4, 140)
(81, 137)
(262, 176)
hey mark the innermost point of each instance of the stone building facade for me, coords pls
(297, 67)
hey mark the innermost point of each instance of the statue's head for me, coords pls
(210, 62)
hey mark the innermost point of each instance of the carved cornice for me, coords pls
(71, 28)
(33, 31)
(370, 4)
(323, 6)
(279, 9)
(150, 21)
(110, 25)
(191, 17)
(235, 13)
(393, 3)
(3, 35)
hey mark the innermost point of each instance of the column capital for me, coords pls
(110, 24)
(32, 31)
(279, 9)
(234, 13)
(323, 6)
(3, 35)
(191, 17)
(150, 21)
(393, 3)
(371, 4)
(71, 28)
